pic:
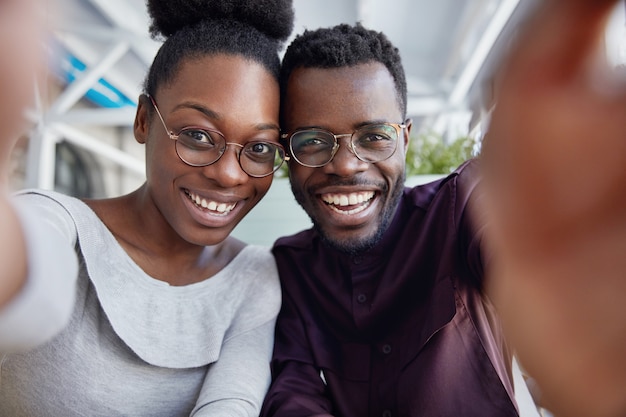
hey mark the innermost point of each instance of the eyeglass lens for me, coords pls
(199, 147)
(372, 143)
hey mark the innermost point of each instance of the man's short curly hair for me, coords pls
(342, 46)
(254, 29)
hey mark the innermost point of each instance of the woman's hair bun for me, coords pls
(274, 18)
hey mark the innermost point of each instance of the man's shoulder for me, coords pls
(466, 176)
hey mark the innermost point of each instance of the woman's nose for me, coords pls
(227, 170)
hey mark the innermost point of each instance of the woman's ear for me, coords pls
(141, 126)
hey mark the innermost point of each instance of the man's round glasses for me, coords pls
(315, 148)
(201, 146)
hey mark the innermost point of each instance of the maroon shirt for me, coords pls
(402, 330)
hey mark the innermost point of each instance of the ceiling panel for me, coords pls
(102, 51)
(436, 39)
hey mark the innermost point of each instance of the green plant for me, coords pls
(429, 154)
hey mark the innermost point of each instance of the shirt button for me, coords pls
(387, 413)
(386, 349)
(361, 298)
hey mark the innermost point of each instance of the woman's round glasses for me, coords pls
(315, 148)
(200, 146)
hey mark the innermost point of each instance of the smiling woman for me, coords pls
(201, 343)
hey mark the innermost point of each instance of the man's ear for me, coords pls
(407, 133)
(141, 126)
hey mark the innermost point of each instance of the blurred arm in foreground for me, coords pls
(36, 297)
(17, 19)
(555, 168)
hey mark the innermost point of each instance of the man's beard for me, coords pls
(360, 245)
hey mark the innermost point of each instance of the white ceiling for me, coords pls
(443, 45)
(446, 47)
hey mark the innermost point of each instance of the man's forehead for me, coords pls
(354, 75)
(340, 99)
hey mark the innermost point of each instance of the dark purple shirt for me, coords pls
(402, 330)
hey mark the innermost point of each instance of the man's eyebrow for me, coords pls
(310, 127)
(372, 122)
(356, 126)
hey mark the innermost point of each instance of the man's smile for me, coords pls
(348, 203)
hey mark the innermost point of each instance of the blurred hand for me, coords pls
(555, 169)
(21, 63)
(21, 35)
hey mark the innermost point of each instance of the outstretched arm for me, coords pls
(43, 249)
(20, 34)
(555, 169)
(38, 262)
(12, 253)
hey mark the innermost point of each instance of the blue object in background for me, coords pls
(103, 94)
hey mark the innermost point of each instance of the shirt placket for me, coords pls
(366, 275)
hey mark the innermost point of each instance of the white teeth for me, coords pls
(362, 199)
(353, 211)
(348, 199)
(222, 208)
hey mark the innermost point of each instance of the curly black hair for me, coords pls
(254, 29)
(340, 46)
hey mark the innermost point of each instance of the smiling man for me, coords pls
(350, 204)
(383, 310)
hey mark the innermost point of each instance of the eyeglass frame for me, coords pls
(399, 127)
(174, 137)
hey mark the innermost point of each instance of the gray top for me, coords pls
(136, 346)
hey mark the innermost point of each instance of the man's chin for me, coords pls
(351, 245)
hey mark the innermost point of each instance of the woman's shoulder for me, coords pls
(46, 198)
(54, 203)
(255, 264)
(52, 207)
(252, 278)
